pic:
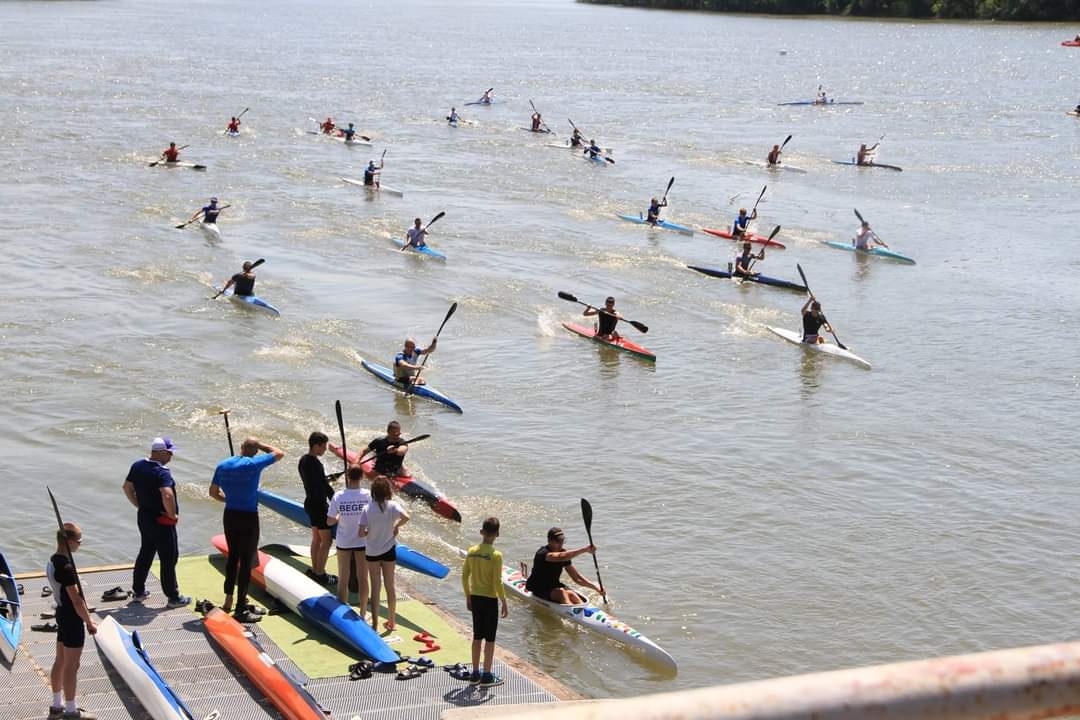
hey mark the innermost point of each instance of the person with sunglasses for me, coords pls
(73, 621)
(545, 580)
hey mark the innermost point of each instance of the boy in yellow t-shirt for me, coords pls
(481, 578)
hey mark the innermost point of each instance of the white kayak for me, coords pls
(211, 230)
(780, 166)
(372, 189)
(567, 146)
(177, 164)
(824, 348)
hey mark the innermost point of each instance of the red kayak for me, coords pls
(620, 344)
(408, 485)
(1070, 43)
(756, 239)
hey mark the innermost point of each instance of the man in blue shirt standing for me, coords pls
(150, 488)
(236, 483)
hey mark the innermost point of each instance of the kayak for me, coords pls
(373, 189)
(425, 391)
(408, 485)
(233, 133)
(211, 230)
(287, 695)
(567, 146)
(598, 159)
(780, 166)
(1073, 113)
(177, 164)
(354, 141)
(590, 617)
(873, 164)
(251, 301)
(481, 102)
(125, 652)
(822, 104)
(538, 132)
(424, 250)
(1070, 43)
(620, 344)
(824, 348)
(879, 251)
(314, 603)
(406, 557)
(659, 223)
(11, 624)
(755, 239)
(763, 279)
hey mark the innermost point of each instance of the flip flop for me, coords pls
(424, 662)
(116, 593)
(46, 591)
(412, 672)
(45, 627)
(462, 674)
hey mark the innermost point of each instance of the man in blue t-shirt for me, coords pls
(236, 483)
(407, 362)
(149, 486)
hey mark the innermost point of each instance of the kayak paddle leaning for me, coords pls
(543, 125)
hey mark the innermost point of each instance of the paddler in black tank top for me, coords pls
(812, 321)
(243, 281)
(548, 563)
(606, 319)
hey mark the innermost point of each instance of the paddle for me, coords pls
(641, 327)
(158, 162)
(406, 245)
(586, 515)
(228, 432)
(880, 241)
(542, 123)
(226, 131)
(810, 292)
(773, 234)
(341, 429)
(181, 226)
(664, 200)
(364, 457)
(587, 149)
(67, 550)
(254, 265)
(411, 385)
(786, 141)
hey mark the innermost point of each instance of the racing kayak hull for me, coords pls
(567, 146)
(313, 603)
(755, 239)
(373, 189)
(210, 230)
(620, 344)
(11, 624)
(823, 348)
(252, 302)
(538, 132)
(125, 653)
(877, 251)
(408, 485)
(354, 141)
(425, 250)
(659, 223)
(425, 391)
(762, 279)
(780, 166)
(178, 164)
(287, 695)
(816, 103)
(1070, 43)
(406, 556)
(897, 168)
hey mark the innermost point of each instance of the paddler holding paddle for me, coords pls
(865, 236)
(742, 223)
(812, 321)
(327, 126)
(371, 173)
(577, 139)
(865, 156)
(548, 563)
(234, 125)
(390, 451)
(653, 215)
(73, 621)
(209, 213)
(606, 319)
(745, 261)
(407, 362)
(415, 235)
(171, 154)
(774, 155)
(244, 281)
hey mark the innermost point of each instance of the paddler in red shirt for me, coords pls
(234, 125)
(328, 126)
(171, 153)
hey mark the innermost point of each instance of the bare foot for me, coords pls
(389, 625)
(227, 605)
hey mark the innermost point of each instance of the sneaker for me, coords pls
(79, 714)
(255, 609)
(247, 617)
(490, 680)
(140, 597)
(474, 677)
(178, 601)
(56, 712)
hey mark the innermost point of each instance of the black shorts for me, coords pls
(389, 556)
(485, 617)
(545, 593)
(317, 515)
(70, 629)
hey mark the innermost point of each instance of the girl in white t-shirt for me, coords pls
(346, 508)
(379, 524)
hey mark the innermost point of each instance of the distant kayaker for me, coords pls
(317, 494)
(576, 139)
(171, 154)
(73, 621)
(371, 174)
(865, 155)
(745, 261)
(243, 282)
(774, 155)
(654, 210)
(453, 117)
(390, 452)
(487, 98)
(537, 122)
(209, 212)
(742, 223)
(407, 362)
(348, 133)
(327, 126)
(481, 578)
(548, 563)
(345, 509)
(234, 125)
(812, 321)
(150, 487)
(594, 150)
(865, 236)
(236, 483)
(822, 98)
(379, 524)
(415, 235)
(606, 319)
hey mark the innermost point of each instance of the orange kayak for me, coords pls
(620, 344)
(756, 239)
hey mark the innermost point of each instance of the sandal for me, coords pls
(204, 606)
(424, 662)
(46, 591)
(410, 673)
(360, 673)
(116, 593)
(21, 589)
(45, 627)
(464, 674)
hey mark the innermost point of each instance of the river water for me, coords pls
(759, 511)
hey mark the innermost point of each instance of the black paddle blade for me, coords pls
(775, 232)
(786, 141)
(257, 263)
(449, 314)
(437, 217)
(567, 296)
(858, 215)
(641, 327)
(341, 430)
(586, 515)
(803, 276)
(669, 184)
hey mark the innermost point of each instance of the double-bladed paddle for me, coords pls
(773, 234)
(366, 456)
(602, 157)
(410, 242)
(254, 265)
(810, 292)
(882, 242)
(786, 141)
(586, 515)
(158, 162)
(181, 226)
(412, 385)
(226, 130)
(542, 123)
(640, 327)
(228, 432)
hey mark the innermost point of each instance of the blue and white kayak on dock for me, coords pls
(640, 220)
(423, 250)
(878, 251)
(11, 624)
(425, 391)
(252, 302)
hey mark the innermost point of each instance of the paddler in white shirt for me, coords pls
(865, 236)
(865, 155)
(415, 235)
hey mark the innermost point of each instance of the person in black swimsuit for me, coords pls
(606, 319)
(812, 321)
(244, 282)
(548, 563)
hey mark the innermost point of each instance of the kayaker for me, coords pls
(537, 121)
(243, 282)
(379, 524)
(865, 155)
(327, 126)
(548, 563)
(348, 133)
(822, 98)
(371, 174)
(481, 578)
(774, 155)
(236, 483)
(73, 621)
(150, 488)
(606, 319)
(407, 362)
(415, 235)
(487, 98)
(345, 510)
(742, 223)
(453, 117)
(209, 213)
(576, 139)
(594, 150)
(317, 494)
(812, 321)
(745, 261)
(171, 154)
(654, 210)
(389, 452)
(234, 125)
(865, 236)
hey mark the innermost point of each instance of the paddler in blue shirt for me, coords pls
(742, 223)
(407, 362)
(209, 212)
(371, 174)
(593, 150)
(348, 133)
(606, 319)
(745, 261)
(653, 216)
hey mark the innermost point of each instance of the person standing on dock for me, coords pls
(150, 487)
(481, 578)
(317, 494)
(545, 580)
(379, 525)
(73, 621)
(345, 510)
(236, 483)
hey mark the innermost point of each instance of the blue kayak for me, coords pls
(897, 168)
(425, 250)
(406, 556)
(425, 391)
(640, 220)
(597, 159)
(879, 251)
(822, 104)
(11, 624)
(252, 301)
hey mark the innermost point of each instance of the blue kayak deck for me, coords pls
(187, 660)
